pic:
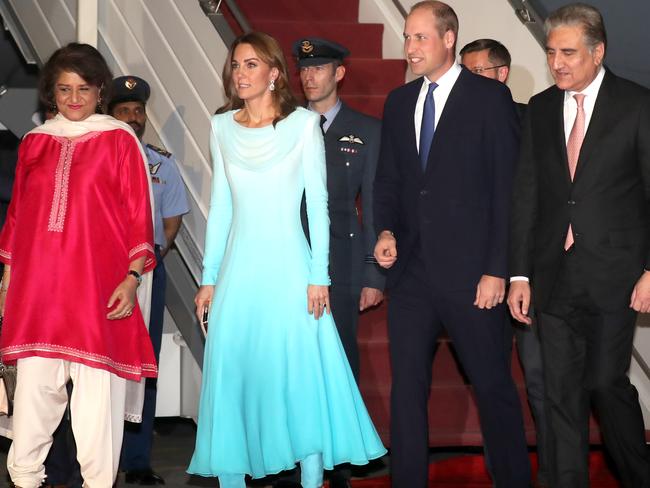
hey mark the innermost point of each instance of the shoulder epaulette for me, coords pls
(167, 154)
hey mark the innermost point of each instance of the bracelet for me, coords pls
(136, 275)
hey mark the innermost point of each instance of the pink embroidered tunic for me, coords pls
(79, 213)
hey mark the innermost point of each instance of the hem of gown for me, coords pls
(273, 471)
(133, 373)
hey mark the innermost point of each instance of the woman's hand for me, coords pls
(318, 300)
(202, 300)
(124, 296)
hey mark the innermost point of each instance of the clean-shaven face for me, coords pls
(428, 54)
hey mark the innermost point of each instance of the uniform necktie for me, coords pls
(428, 125)
(573, 146)
(323, 119)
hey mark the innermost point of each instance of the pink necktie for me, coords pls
(573, 146)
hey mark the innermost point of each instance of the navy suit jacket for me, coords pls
(457, 210)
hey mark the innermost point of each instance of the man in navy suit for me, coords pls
(449, 144)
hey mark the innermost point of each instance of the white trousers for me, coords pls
(97, 413)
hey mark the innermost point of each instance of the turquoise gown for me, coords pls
(277, 386)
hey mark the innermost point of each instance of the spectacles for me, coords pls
(478, 70)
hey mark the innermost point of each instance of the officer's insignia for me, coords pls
(155, 179)
(306, 46)
(159, 150)
(130, 83)
(153, 168)
(352, 139)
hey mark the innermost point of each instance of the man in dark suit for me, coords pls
(351, 152)
(490, 58)
(442, 191)
(581, 240)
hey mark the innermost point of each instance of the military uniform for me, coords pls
(351, 152)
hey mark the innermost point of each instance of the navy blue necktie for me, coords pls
(428, 126)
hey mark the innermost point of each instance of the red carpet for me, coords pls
(469, 472)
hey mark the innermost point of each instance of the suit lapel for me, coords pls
(409, 124)
(598, 125)
(559, 137)
(333, 129)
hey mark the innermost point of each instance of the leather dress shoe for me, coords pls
(337, 481)
(286, 484)
(143, 477)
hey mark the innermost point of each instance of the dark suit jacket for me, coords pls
(606, 204)
(458, 209)
(351, 168)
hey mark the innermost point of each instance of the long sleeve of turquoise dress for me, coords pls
(276, 386)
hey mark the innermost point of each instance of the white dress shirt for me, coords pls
(571, 110)
(440, 95)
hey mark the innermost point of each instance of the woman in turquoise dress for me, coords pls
(277, 388)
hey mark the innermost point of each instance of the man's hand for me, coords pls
(489, 291)
(386, 249)
(640, 301)
(369, 298)
(519, 301)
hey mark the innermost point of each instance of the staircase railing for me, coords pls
(219, 18)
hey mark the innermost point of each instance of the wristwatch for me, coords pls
(136, 275)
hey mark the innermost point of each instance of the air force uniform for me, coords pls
(351, 153)
(169, 200)
(169, 196)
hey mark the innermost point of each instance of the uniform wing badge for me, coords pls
(153, 168)
(352, 139)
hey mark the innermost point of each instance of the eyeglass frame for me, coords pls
(478, 71)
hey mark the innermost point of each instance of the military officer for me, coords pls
(351, 152)
(128, 104)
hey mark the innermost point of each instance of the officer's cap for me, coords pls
(129, 89)
(312, 51)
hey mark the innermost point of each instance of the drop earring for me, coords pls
(272, 85)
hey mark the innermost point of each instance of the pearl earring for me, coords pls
(272, 85)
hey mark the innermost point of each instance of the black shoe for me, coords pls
(143, 477)
(286, 484)
(338, 481)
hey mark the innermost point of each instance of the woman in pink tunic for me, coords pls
(77, 239)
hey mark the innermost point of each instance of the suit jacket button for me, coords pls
(571, 202)
(423, 193)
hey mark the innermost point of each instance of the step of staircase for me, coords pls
(305, 10)
(363, 40)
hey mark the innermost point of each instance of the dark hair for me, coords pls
(82, 59)
(583, 15)
(269, 51)
(446, 18)
(497, 52)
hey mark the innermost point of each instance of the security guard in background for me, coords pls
(128, 104)
(351, 152)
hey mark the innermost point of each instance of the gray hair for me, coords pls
(583, 15)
